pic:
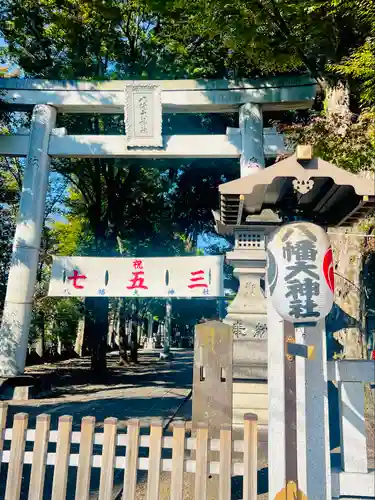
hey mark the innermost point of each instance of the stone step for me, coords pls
(250, 397)
(250, 388)
(255, 401)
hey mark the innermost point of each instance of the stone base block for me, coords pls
(250, 397)
(250, 354)
(19, 388)
(247, 351)
(23, 393)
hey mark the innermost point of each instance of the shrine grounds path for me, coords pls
(153, 388)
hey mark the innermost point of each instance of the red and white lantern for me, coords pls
(300, 272)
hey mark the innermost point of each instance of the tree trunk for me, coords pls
(96, 331)
(80, 337)
(39, 344)
(345, 321)
(134, 332)
(337, 106)
(122, 335)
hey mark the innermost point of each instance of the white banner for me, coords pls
(137, 277)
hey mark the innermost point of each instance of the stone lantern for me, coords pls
(247, 312)
(298, 187)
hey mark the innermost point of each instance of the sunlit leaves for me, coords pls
(353, 150)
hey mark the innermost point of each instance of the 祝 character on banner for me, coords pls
(300, 272)
(138, 280)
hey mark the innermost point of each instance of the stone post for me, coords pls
(251, 126)
(16, 318)
(316, 415)
(212, 387)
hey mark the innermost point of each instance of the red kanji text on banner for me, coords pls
(197, 276)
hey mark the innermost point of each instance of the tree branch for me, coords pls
(78, 186)
(286, 33)
(15, 172)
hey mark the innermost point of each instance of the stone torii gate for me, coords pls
(144, 103)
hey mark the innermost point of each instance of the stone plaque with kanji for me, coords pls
(143, 115)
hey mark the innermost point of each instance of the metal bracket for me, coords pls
(301, 350)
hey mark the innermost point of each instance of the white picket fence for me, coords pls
(202, 464)
(352, 479)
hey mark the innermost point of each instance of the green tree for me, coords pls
(82, 39)
(252, 38)
(10, 185)
(359, 64)
(56, 39)
(351, 148)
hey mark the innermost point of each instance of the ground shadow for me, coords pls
(74, 376)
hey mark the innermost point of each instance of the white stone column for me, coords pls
(80, 337)
(316, 417)
(276, 403)
(301, 409)
(168, 327)
(16, 318)
(251, 126)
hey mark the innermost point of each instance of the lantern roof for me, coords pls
(315, 190)
(264, 221)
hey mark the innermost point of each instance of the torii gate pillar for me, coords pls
(16, 319)
(251, 127)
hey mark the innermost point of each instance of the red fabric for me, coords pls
(328, 269)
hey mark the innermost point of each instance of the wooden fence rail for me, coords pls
(130, 460)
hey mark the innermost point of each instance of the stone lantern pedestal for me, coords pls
(247, 313)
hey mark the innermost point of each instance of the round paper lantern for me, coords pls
(300, 273)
